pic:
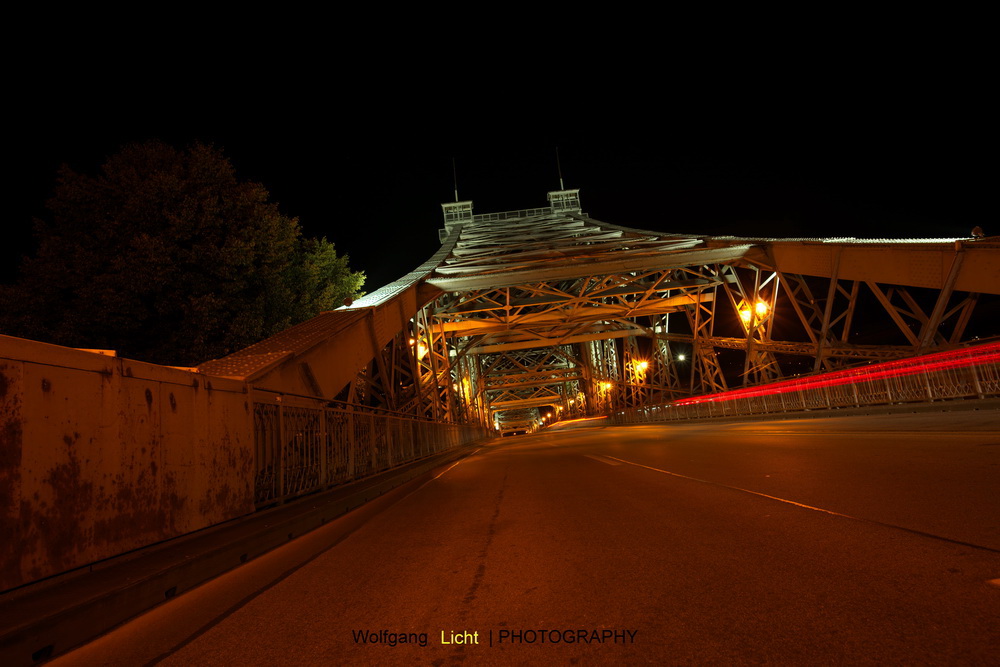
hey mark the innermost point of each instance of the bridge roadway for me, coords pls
(812, 541)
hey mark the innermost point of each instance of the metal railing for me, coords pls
(972, 372)
(302, 445)
(508, 215)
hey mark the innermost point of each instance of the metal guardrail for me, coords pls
(510, 215)
(302, 445)
(966, 373)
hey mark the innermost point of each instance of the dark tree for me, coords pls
(166, 257)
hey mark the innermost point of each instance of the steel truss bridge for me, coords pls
(549, 311)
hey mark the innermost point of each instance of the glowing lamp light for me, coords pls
(681, 357)
(642, 365)
(747, 313)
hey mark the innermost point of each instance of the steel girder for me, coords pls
(549, 309)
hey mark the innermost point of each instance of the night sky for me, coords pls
(899, 151)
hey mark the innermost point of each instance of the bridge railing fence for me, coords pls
(972, 372)
(302, 445)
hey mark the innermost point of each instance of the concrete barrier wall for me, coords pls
(101, 455)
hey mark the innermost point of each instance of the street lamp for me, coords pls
(760, 309)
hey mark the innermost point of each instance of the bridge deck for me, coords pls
(847, 540)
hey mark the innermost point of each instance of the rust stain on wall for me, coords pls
(10, 438)
(10, 457)
(11, 442)
(62, 534)
(216, 501)
(140, 509)
(90, 467)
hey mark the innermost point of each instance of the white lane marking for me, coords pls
(603, 459)
(419, 488)
(736, 488)
(450, 467)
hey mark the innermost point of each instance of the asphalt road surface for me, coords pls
(870, 540)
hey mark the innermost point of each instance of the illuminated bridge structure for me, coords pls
(519, 316)
(547, 311)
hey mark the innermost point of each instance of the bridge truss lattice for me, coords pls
(548, 311)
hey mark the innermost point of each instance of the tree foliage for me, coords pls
(166, 257)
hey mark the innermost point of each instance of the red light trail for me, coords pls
(940, 361)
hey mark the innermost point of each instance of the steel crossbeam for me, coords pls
(548, 311)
